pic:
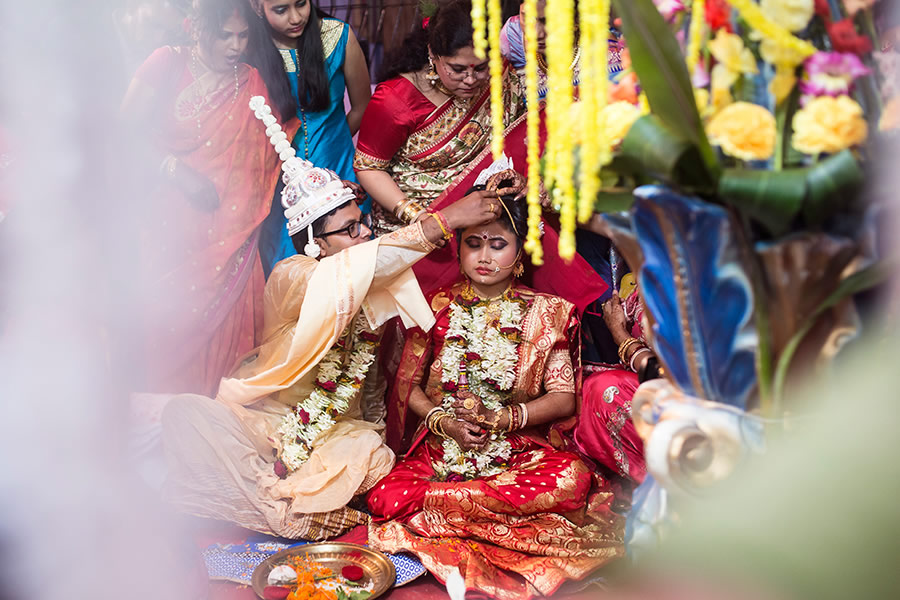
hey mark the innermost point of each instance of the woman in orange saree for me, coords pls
(482, 489)
(200, 268)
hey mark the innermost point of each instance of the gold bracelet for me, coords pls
(412, 212)
(401, 206)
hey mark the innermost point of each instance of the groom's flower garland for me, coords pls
(336, 384)
(485, 336)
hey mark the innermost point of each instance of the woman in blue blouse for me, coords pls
(307, 60)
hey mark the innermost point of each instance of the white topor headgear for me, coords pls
(309, 191)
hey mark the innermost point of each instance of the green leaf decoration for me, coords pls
(772, 198)
(830, 184)
(657, 59)
(652, 147)
(856, 283)
(775, 198)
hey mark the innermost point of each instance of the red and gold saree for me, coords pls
(543, 519)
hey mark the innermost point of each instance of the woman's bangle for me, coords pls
(624, 346)
(524, 416)
(431, 414)
(635, 354)
(398, 210)
(168, 166)
(442, 223)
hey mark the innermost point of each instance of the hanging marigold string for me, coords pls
(595, 150)
(495, 22)
(758, 20)
(479, 42)
(695, 34)
(533, 242)
(560, 163)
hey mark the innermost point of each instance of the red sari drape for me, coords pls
(201, 272)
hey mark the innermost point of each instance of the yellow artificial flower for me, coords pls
(890, 115)
(701, 98)
(732, 57)
(785, 59)
(829, 125)
(744, 130)
(793, 15)
(780, 55)
(720, 88)
(616, 120)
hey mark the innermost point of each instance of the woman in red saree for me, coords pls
(200, 267)
(429, 118)
(482, 489)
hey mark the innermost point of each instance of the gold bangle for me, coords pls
(401, 206)
(624, 346)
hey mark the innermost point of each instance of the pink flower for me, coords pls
(472, 356)
(449, 386)
(455, 478)
(304, 416)
(280, 469)
(669, 8)
(831, 73)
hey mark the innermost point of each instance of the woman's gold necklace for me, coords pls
(542, 61)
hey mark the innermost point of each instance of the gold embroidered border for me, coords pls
(331, 31)
(367, 162)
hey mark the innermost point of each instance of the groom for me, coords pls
(284, 446)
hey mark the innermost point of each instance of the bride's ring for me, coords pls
(469, 403)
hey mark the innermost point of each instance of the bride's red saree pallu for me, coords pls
(523, 532)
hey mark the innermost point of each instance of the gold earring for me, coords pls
(518, 270)
(432, 75)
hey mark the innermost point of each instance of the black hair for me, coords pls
(208, 16)
(312, 81)
(515, 212)
(448, 30)
(300, 238)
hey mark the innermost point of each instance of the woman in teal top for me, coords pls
(307, 60)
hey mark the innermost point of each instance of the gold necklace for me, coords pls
(469, 293)
(542, 61)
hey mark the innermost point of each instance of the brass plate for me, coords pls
(377, 568)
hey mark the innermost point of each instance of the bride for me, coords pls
(482, 489)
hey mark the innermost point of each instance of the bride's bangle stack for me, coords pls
(518, 417)
(408, 211)
(636, 346)
(434, 421)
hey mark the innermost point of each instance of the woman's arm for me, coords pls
(382, 187)
(359, 89)
(467, 435)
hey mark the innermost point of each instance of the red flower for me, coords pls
(718, 15)
(508, 330)
(449, 386)
(352, 573)
(328, 386)
(280, 469)
(823, 10)
(472, 356)
(304, 416)
(845, 39)
(455, 478)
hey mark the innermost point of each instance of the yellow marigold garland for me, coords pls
(757, 19)
(560, 172)
(595, 150)
(495, 18)
(695, 39)
(533, 241)
(479, 42)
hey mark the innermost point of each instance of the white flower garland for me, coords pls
(485, 336)
(336, 384)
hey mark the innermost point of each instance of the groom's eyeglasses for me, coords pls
(353, 228)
